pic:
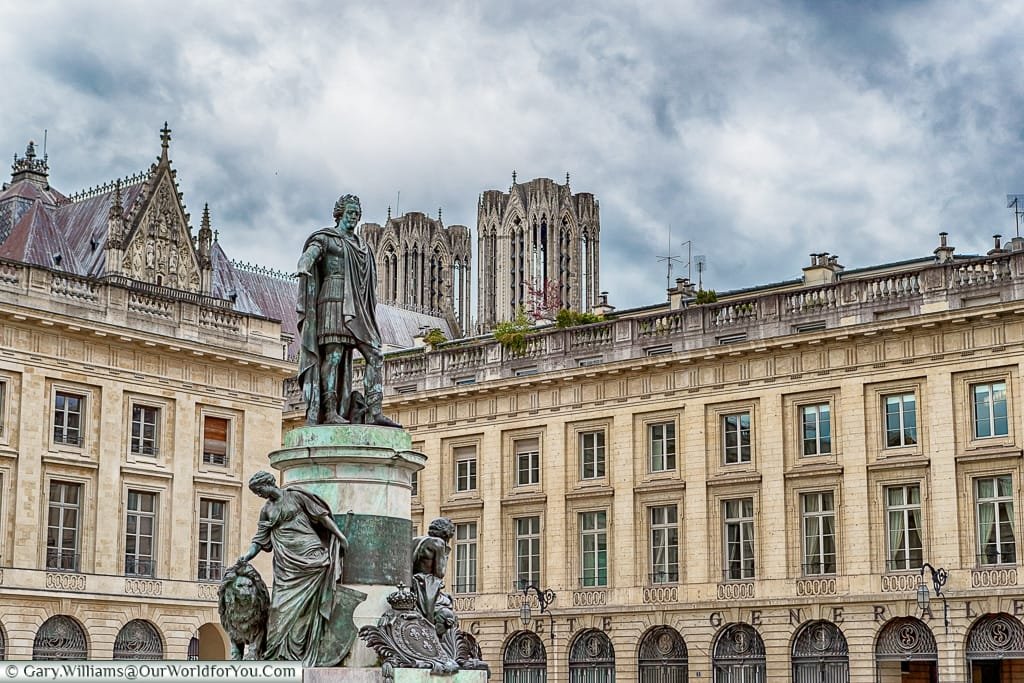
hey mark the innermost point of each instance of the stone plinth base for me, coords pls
(364, 473)
(374, 675)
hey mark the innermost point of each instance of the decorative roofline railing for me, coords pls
(108, 186)
(257, 269)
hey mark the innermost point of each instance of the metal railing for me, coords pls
(996, 558)
(138, 566)
(819, 568)
(744, 573)
(910, 564)
(138, 449)
(209, 571)
(659, 577)
(215, 458)
(67, 437)
(62, 560)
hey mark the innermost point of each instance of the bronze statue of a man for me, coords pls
(337, 314)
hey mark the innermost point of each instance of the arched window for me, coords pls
(906, 645)
(662, 657)
(993, 642)
(525, 660)
(60, 638)
(584, 272)
(3, 644)
(591, 658)
(565, 266)
(138, 639)
(820, 654)
(193, 649)
(457, 293)
(739, 655)
(437, 268)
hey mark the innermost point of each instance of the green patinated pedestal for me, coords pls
(364, 472)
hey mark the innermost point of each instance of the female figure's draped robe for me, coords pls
(307, 567)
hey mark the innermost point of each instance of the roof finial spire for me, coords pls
(513, 176)
(567, 179)
(439, 214)
(165, 138)
(389, 212)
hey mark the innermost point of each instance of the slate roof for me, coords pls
(69, 234)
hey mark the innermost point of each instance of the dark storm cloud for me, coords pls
(758, 131)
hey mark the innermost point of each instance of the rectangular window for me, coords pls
(903, 527)
(900, 420)
(990, 410)
(415, 484)
(527, 552)
(816, 424)
(594, 548)
(62, 525)
(67, 418)
(527, 462)
(215, 440)
(736, 438)
(465, 558)
(212, 521)
(592, 455)
(145, 430)
(738, 522)
(139, 532)
(465, 468)
(819, 526)
(661, 444)
(996, 541)
(664, 544)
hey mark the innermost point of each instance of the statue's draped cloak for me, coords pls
(307, 567)
(357, 282)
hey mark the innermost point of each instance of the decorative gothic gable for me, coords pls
(159, 250)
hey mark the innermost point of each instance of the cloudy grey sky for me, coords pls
(761, 131)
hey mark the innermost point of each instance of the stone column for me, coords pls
(364, 472)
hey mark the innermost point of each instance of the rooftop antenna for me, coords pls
(398, 204)
(44, 143)
(669, 259)
(1016, 202)
(689, 258)
(701, 262)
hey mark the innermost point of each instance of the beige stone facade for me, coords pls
(765, 474)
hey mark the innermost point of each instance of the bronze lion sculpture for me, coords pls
(243, 603)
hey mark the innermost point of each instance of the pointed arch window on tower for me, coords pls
(414, 277)
(457, 293)
(565, 264)
(437, 280)
(585, 271)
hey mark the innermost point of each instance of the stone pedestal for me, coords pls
(364, 472)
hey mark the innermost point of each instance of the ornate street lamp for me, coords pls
(544, 600)
(939, 577)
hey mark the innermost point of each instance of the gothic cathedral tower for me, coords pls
(538, 237)
(423, 265)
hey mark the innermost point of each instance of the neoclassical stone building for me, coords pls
(750, 490)
(140, 388)
(537, 239)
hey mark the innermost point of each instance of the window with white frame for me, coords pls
(738, 527)
(990, 415)
(139, 533)
(592, 455)
(145, 430)
(62, 526)
(997, 543)
(664, 550)
(465, 558)
(819, 533)
(465, 468)
(900, 420)
(415, 484)
(68, 412)
(212, 532)
(816, 429)
(661, 445)
(527, 551)
(736, 438)
(527, 461)
(215, 440)
(903, 527)
(594, 548)
(3, 408)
